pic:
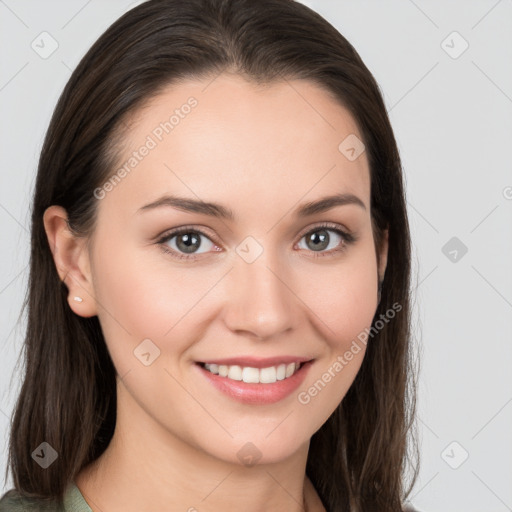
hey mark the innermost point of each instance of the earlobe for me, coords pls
(71, 261)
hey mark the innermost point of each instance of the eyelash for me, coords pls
(348, 239)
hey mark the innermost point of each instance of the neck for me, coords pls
(145, 467)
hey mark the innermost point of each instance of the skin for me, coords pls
(261, 152)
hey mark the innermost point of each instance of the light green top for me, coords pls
(12, 501)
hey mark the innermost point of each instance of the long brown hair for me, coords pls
(359, 458)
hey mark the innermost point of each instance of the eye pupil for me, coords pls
(191, 242)
(321, 236)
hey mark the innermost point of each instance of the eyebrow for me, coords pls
(219, 211)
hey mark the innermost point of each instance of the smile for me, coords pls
(252, 385)
(254, 375)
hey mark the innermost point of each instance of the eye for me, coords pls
(319, 239)
(187, 242)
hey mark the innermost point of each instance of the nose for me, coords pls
(261, 302)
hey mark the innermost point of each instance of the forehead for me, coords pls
(225, 137)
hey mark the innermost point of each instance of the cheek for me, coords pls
(342, 296)
(343, 303)
(138, 301)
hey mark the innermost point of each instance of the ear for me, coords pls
(71, 259)
(383, 255)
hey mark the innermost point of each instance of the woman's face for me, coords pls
(249, 278)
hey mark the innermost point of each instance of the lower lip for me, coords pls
(257, 394)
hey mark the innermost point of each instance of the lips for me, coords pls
(256, 393)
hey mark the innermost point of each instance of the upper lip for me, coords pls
(256, 362)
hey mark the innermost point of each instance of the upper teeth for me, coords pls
(254, 375)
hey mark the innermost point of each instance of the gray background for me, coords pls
(452, 116)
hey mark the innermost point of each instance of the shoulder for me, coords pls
(13, 501)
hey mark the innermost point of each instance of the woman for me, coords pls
(218, 308)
